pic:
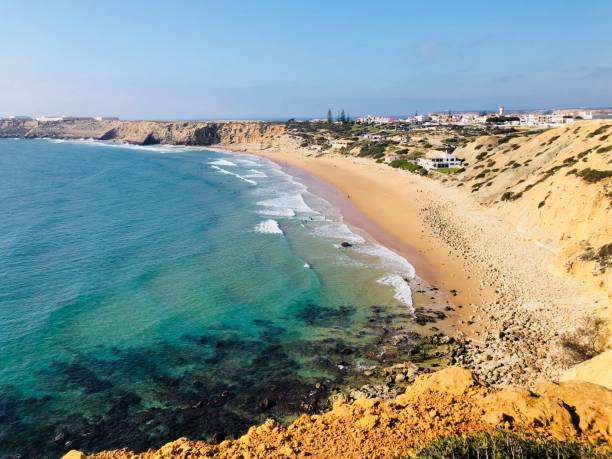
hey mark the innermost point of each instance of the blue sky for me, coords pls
(255, 59)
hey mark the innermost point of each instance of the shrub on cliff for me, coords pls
(409, 166)
(586, 341)
(501, 445)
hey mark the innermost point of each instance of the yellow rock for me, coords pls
(452, 380)
(368, 422)
(591, 403)
(597, 370)
(74, 454)
(523, 409)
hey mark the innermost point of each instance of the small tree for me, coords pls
(342, 117)
(329, 116)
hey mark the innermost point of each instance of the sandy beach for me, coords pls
(386, 204)
(497, 278)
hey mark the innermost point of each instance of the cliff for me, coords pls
(442, 404)
(555, 187)
(147, 132)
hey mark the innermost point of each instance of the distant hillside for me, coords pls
(146, 132)
(555, 186)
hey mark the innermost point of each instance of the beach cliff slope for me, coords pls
(556, 187)
(446, 403)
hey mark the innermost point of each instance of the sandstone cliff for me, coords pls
(148, 132)
(554, 186)
(449, 402)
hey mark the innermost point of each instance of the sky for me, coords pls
(282, 59)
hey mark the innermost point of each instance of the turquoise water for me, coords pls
(151, 293)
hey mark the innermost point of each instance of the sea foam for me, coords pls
(222, 162)
(255, 174)
(268, 227)
(294, 202)
(277, 212)
(226, 172)
(338, 231)
(390, 260)
(403, 292)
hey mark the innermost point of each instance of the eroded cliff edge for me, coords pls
(449, 402)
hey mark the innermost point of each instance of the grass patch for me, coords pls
(408, 166)
(373, 149)
(501, 445)
(450, 170)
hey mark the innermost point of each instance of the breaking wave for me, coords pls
(269, 227)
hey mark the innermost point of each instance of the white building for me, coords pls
(340, 143)
(49, 119)
(107, 118)
(439, 159)
(372, 119)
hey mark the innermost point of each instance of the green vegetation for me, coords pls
(592, 175)
(552, 139)
(481, 156)
(450, 170)
(502, 445)
(587, 340)
(373, 149)
(502, 119)
(604, 149)
(510, 196)
(600, 130)
(506, 139)
(409, 166)
(603, 256)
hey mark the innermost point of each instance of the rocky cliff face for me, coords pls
(449, 402)
(148, 132)
(555, 186)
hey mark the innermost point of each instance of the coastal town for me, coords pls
(418, 143)
(527, 118)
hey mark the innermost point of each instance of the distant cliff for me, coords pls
(147, 132)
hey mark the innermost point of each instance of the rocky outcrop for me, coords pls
(596, 370)
(445, 403)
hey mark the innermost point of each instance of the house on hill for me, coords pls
(439, 159)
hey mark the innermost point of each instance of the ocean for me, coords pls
(149, 293)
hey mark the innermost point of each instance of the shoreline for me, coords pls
(432, 259)
(357, 220)
(512, 313)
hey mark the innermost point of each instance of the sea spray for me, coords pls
(269, 227)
